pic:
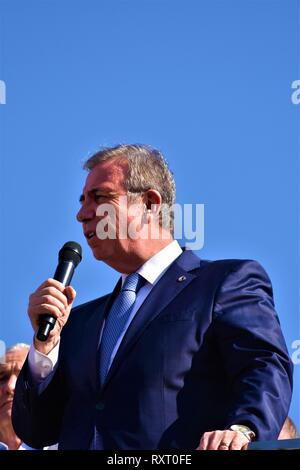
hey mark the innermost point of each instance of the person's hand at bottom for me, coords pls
(223, 440)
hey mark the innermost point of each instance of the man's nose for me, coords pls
(11, 384)
(85, 213)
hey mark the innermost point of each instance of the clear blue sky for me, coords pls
(208, 82)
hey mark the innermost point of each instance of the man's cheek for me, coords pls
(106, 227)
(3, 396)
(3, 412)
(135, 221)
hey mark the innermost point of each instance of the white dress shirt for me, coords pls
(41, 365)
(24, 446)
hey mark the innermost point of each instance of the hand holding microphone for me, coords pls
(50, 305)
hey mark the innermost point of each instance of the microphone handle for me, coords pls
(64, 273)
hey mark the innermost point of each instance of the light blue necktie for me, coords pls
(117, 319)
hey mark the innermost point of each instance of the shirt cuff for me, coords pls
(41, 365)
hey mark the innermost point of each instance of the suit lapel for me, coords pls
(175, 279)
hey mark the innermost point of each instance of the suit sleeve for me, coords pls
(253, 350)
(38, 407)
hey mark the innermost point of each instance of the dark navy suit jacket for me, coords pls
(202, 353)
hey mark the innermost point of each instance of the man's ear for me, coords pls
(152, 200)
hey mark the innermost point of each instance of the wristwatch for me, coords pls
(244, 430)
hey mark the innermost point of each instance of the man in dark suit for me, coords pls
(184, 353)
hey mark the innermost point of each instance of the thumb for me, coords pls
(70, 293)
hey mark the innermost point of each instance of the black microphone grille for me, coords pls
(71, 251)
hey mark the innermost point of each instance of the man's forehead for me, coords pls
(108, 174)
(13, 357)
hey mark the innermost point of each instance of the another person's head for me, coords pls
(289, 430)
(9, 371)
(127, 202)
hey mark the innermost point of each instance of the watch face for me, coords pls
(243, 429)
(240, 427)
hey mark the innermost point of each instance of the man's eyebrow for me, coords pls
(94, 191)
(100, 190)
(5, 369)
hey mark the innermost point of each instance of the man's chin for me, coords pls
(98, 254)
(101, 251)
(5, 413)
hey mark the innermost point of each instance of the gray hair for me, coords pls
(17, 347)
(147, 169)
(12, 349)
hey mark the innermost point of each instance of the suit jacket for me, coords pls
(204, 351)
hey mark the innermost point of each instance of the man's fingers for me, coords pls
(52, 282)
(48, 309)
(50, 295)
(220, 440)
(210, 440)
(245, 446)
(51, 291)
(54, 292)
(203, 442)
(37, 303)
(51, 298)
(70, 293)
(239, 442)
(215, 441)
(223, 440)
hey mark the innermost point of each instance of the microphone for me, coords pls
(69, 257)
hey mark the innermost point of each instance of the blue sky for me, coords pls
(207, 82)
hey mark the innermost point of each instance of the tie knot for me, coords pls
(133, 282)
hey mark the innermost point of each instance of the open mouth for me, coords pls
(90, 235)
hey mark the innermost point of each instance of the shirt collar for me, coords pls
(154, 268)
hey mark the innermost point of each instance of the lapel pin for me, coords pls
(181, 279)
